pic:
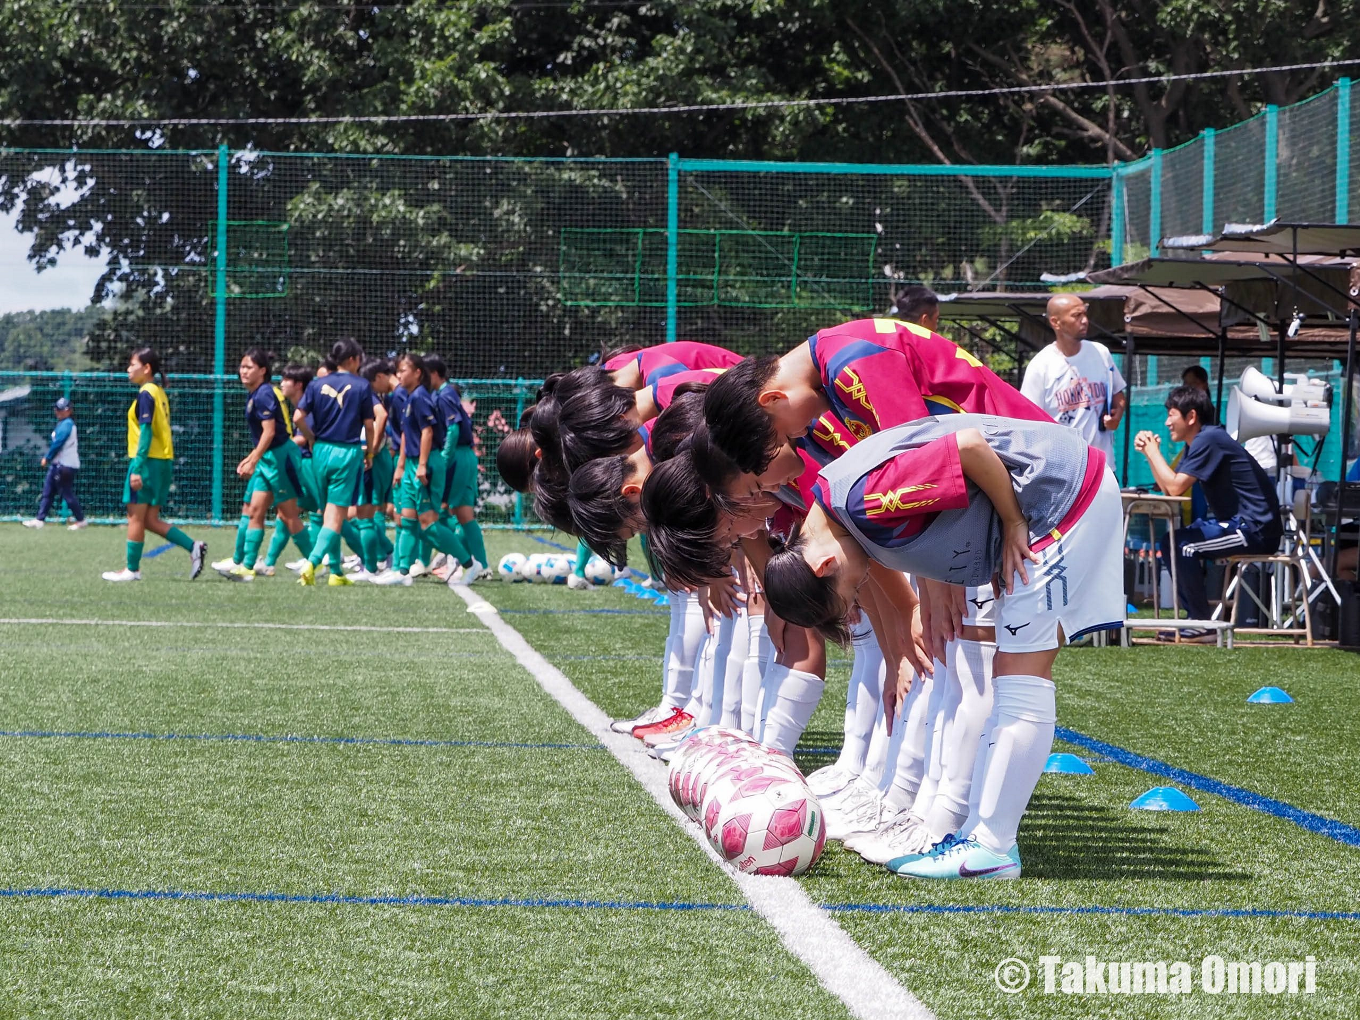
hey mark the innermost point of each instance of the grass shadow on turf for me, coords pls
(1069, 839)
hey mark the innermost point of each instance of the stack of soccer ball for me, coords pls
(552, 568)
(752, 802)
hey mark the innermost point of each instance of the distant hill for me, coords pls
(47, 341)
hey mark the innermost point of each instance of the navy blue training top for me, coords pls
(1234, 484)
(339, 404)
(262, 406)
(420, 414)
(396, 416)
(450, 404)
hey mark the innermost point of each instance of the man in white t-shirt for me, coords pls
(1075, 379)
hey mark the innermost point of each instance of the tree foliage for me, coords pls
(319, 58)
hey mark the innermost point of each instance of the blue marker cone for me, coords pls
(1067, 764)
(662, 600)
(1270, 696)
(622, 582)
(1132, 608)
(1164, 798)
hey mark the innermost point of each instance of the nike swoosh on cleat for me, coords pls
(967, 872)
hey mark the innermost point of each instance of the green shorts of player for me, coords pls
(377, 483)
(278, 473)
(155, 490)
(339, 470)
(422, 498)
(309, 499)
(460, 486)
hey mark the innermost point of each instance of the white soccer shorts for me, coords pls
(1078, 586)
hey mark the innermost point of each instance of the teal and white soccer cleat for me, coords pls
(919, 852)
(963, 858)
(197, 555)
(121, 575)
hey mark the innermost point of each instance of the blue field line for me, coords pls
(158, 550)
(264, 738)
(1320, 824)
(358, 901)
(1001, 908)
(340, 899)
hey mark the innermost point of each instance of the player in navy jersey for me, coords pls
(375, 498)
(271, 469)
(421, 467)
(340, 407)
(458, 502)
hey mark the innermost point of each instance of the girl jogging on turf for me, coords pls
(151, 461)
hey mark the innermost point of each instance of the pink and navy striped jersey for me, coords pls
(655, 363)
(880, 373)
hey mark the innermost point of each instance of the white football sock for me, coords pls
(970, 673)
(900, 788)
(687, 632)
(722, 651)
(752, 673)
(789, 698)
(863, 698)
(942, 695)
(737, 652)
(1025, 713)
(700, 704)
(877, 758)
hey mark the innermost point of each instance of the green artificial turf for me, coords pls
(453, 818)
(120, 778)
(1081, 844)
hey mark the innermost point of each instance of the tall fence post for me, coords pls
(1207, 187)
(219, 331)
(1343, 150)
(1116, 216)
(1155, 204)
(1272, 154)
(672, 240)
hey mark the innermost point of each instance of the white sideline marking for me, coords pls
(807, 931)
(241, 626)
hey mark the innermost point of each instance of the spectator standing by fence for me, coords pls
(63, 464)
(1075, 379)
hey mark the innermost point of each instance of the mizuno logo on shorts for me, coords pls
(1015, 630)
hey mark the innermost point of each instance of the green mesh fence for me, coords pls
(509, 268)
(769, 252)
(101, 403)
(1292, 163)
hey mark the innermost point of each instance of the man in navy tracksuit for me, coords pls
(63, 464)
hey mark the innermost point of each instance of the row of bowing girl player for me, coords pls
(876, 484)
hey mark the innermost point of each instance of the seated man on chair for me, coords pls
(1239, 493)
